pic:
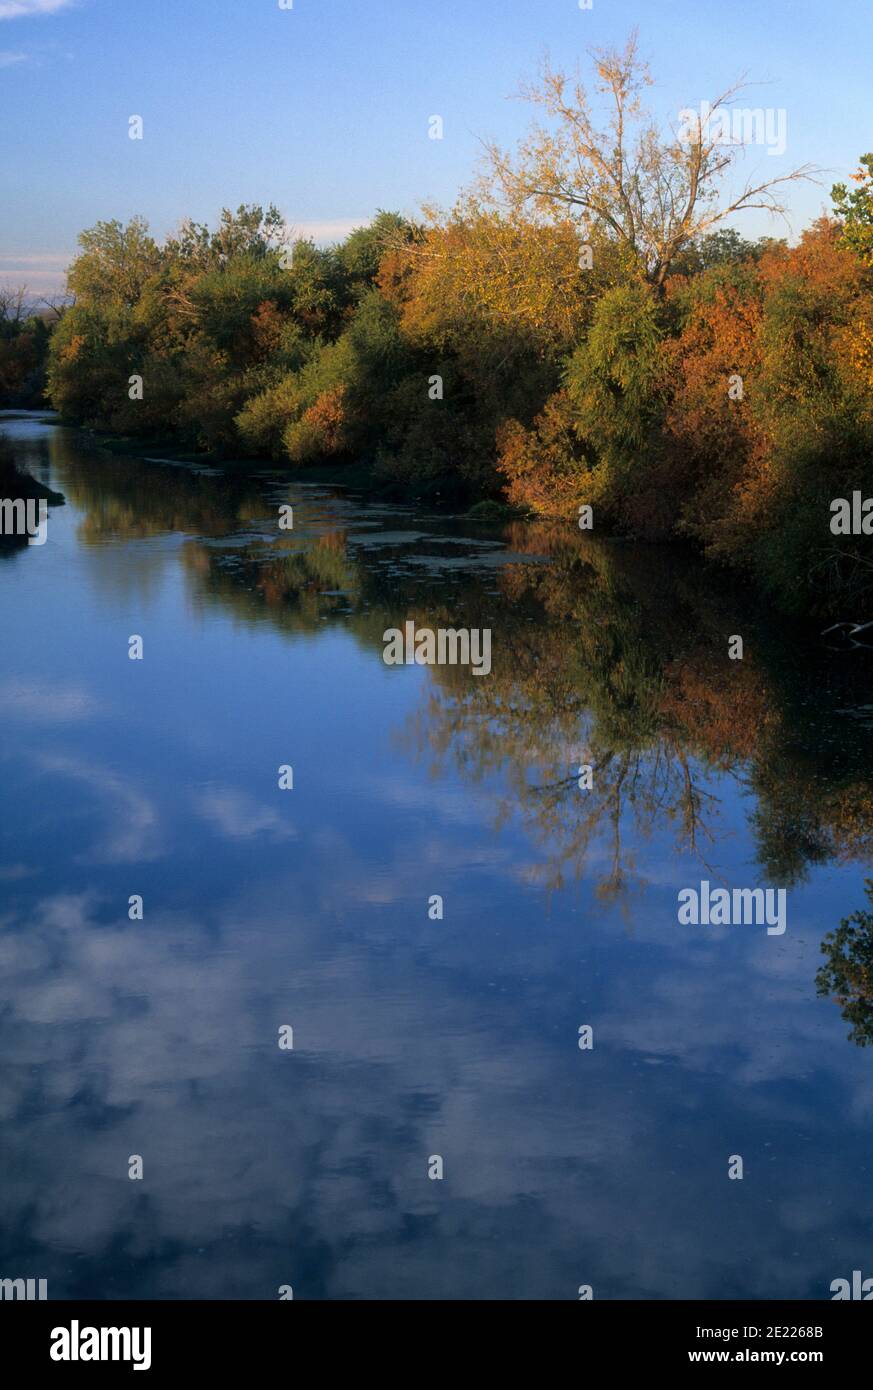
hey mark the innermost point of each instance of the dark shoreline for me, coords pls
(360, 479)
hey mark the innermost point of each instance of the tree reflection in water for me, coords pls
(606, 654)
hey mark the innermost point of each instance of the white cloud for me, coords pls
(38, 702)
(7, 59)
(132, 830)
(11, 873)
(44, 273)
(23, 9)
(238, 816)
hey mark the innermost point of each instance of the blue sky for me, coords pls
(324, 108)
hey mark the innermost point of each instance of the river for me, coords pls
(420, 1032)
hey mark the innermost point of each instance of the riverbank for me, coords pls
(358, 476)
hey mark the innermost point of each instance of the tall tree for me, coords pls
(113, 265)
(653, 191)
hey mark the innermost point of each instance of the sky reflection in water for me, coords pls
(412, 1037)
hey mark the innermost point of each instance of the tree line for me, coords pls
(581, 329)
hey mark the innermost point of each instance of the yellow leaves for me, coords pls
(545, 474)
(482, 270)
(322, 430)
(860, 347)
(73, 349)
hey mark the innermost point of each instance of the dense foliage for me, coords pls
(24, 340)
(583, 330)
(474, 357)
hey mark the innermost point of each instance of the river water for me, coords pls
(415, 1036)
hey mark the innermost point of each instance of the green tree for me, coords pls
(855, 210)
(616, 388)
(113, 265)
(847, 975)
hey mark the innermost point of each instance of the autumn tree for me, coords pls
(489, 304)
(481, 273)
(652, 191)
(854, 211)
(597, 439)
(713, 363)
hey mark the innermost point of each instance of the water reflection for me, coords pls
(415, 1038)
(605, 655)
(847, 974)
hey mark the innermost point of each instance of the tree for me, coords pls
(855, 210)
(654, 192)
(723, 247)
(855, 213)
(478, 276)
(24, 338)
(361, 254)
(848, 974)
(13, 305)
(250, 231)
(113, 265)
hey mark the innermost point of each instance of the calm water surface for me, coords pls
(413, 1037)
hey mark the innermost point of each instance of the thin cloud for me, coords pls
(44, 273)
(7, 59)
(336, 230)
(132, 830)
(46, 258)
(25, 9)
(238, 816)
(39, 702)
